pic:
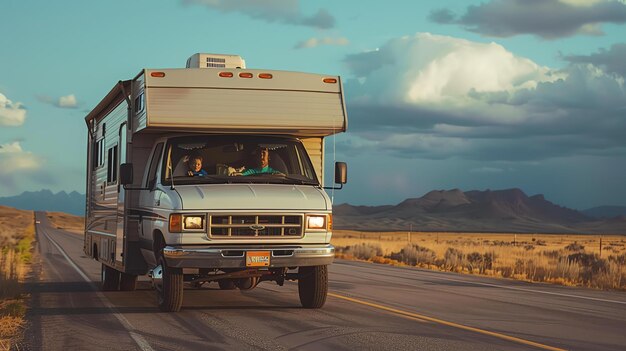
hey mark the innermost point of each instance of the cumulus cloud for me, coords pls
(68, 101)
(315, 42)
(549, 19)
(282, 11)
(437, 97)
(612, 60)
(11, 113)
(15, 163)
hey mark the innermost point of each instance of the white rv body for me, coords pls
(148, 121)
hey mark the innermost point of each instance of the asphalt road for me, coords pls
(370, 307)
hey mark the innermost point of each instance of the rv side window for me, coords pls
(98, 154)
(152, 175)
(139, 103)
(112, 165)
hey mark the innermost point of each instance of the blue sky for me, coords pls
(462, 94)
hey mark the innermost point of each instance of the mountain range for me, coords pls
(509, 210)
(46, 200)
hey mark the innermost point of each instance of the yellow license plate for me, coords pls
(258, 259)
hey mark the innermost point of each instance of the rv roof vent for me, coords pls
(215, 61)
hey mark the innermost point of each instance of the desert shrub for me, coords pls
(454, 259)
(415, 255)
(591, 265)
(621, 259)
(364, 251)
(575, 246)
(552, 254)
(482, 262)
(529, 247)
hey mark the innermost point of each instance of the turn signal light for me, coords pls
(226, 74)
(157, 74)
(245, 75)
(330, 80)
(176, 223)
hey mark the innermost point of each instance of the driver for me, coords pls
(263, 165)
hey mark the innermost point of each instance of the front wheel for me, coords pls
(110, 278)
(313, 286)
(170, 290)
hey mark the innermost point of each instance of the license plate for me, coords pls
(258, 259)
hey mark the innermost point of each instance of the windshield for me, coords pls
(236, 159)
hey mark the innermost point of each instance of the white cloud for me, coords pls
(314, 42)
(284, 11)
(15, 164)
(11, 113)
(14, 159)
(68, 101)
(430, 96)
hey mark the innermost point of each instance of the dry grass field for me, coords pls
(67, 222)
(581, 260)
(17, 233)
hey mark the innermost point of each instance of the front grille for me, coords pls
(238, 226)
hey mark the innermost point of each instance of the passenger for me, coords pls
(195, 167)
(263, 165)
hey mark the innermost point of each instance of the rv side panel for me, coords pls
(140, 117)
(315, 148)
(102, 218)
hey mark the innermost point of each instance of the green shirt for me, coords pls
(254, 171)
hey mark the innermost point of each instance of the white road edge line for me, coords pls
(137, 338)
(434, 276)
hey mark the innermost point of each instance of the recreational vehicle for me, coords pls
(213, 173)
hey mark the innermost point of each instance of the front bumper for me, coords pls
(192, 256)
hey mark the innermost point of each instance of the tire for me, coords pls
(110, 278)
(313, 286)
(170, 293)
(226, 284)
(128, 282)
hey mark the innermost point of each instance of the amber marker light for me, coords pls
(226, 74)
(157, 74)
(245, 75)
(330, 80)
(265, 76)
(176, 223)
(330, 222)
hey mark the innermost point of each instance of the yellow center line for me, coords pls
(422, 318)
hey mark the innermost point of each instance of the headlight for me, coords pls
(316, 222)
(193, 222)
(179, 223)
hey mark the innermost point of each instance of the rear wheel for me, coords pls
(313, 286)
(170, 291)
(226, 284)
(110, 278)
(128, 282)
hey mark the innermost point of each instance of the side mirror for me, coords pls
(341, 173)
(126, 174)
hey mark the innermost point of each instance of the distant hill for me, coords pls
(606, 211)
(509, 210)
(45, 200)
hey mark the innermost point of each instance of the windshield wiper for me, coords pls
(299, 180)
